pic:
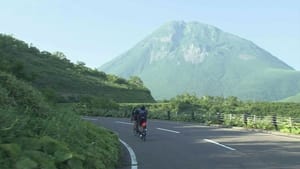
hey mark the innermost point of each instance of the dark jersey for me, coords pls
(134, 114)
(142, 114)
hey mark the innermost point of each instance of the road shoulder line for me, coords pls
(134, 164)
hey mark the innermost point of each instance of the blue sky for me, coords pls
(95, 31)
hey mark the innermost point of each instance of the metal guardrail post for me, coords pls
(220, 119)
(245, 117)
(193, 115)
(274, 122)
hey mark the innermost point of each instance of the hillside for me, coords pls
(295, 99)
(196, 58)
(34, 134)
(58, 78)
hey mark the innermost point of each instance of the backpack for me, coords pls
(143, 114)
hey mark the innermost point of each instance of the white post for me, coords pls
(290, 122)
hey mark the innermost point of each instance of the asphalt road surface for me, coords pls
(179, 145)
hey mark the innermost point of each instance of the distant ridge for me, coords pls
(191, 57)
(295, 99)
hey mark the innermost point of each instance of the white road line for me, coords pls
(134, 164)
(172, 131)
(214, 142)
(191, 126)
(121, 122)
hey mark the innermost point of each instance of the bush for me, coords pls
(20, 95)
(34, 136)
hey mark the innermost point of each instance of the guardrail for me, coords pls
(273, 122)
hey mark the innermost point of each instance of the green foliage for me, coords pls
(75, 163)
(90, 105)
(295, 99)
(35, 135)
(21, 95)
(63, 81)
(12, 150)
(26, 163)
(228, 111)
(136, 81)
(60, 55)
(43, 159)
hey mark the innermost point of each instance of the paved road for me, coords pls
(178, 145)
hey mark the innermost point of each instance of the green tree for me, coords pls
(60, 55)
(80, 64)
(135, 80)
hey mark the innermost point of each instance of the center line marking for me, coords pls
(172, 131)
(219, 144)
(121, 122)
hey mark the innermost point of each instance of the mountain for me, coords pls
(295, 99)
(58, 78)
(201, 59)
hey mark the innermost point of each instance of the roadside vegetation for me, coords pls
(35, 135)
(35, 132)
(230, 111)
(44, 95)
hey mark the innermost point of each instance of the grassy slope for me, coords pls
(34, 136)
(69, 81)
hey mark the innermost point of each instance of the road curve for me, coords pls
(179, 145)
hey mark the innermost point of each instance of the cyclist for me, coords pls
(142, 118)
(134, 118)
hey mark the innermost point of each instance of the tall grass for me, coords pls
(34, 135)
